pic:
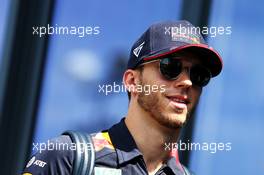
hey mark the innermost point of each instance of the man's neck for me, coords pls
(151, 138)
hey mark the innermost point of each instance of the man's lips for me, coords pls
(179, 101)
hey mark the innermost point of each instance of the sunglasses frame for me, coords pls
(182, 68)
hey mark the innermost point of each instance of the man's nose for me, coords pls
(183, 80)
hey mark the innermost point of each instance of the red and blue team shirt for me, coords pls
(116, 153)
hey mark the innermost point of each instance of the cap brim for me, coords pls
(209, 57)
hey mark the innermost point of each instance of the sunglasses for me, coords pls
(171, 68)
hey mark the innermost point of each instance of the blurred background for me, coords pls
(51, 84)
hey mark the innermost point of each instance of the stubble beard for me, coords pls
(152, 104)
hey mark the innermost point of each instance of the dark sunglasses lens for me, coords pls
(170, 68)
(200, 76)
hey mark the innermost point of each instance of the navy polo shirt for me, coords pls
(116, 153)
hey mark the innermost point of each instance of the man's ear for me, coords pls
(131, 80)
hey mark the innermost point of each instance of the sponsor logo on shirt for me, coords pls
(40, 163)
(107, 171)
(33, 161)
(102, 140)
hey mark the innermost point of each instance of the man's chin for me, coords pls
(173, 121)
(180, 118)
(177, 123)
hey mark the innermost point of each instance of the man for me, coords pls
(175, 63)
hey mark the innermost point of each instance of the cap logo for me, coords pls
(137, 50)
(184, 34)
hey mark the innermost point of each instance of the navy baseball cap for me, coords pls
(166, 38)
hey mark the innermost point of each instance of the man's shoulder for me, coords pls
(54, 156)
(105, 152)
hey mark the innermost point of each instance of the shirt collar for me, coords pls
(174, 164)
(126, 147)
(123, 142)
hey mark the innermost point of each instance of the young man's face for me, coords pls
(172, 104)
